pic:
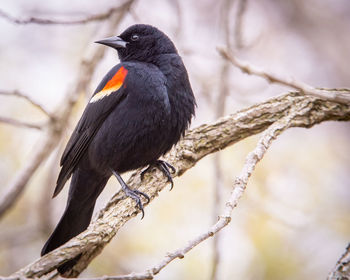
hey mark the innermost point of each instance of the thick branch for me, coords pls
(196, 144)
(337, 95)
(341, 271)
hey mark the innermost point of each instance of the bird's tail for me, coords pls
(84, 190)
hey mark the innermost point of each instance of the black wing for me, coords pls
(93, 116)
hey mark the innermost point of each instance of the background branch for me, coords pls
(338, 95)
(87, 19)
(20, 123)
(62, 116)
(304, 111)
(238, 31)
(220, 106)
(28, 98)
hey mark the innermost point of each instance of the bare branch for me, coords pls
(341, 271)
(225, 13)
(224, 92)
(28, 98)
(19, 123)
(92, 18)
(19, 182)
(337, 95)
(57, 124)
(306, 112)
(241, 9)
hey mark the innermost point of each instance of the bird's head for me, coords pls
(140, 42)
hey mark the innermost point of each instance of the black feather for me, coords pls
(127, 129)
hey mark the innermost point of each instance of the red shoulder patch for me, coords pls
(112, 85)
(118, 79)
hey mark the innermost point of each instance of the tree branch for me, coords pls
(241, 9)
(341, 271)
(337, 95)
(87, 19)
(28, 98)
(62, 116)
(19, 123)
(16, 187)
(221, 100)
(303, 111)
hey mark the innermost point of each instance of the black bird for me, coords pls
(138, 112)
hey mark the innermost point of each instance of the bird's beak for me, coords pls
(114, 42)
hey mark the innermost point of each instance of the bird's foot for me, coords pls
(163, 166)
(134, 194)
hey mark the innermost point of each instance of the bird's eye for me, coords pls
(135, 37)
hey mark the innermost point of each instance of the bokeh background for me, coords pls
(293, 221)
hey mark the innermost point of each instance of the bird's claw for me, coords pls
(169, 166)
(135, 195)
(163, 166)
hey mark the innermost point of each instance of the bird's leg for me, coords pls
(134, 194)
(164, 167)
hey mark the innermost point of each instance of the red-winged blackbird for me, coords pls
(138, 112)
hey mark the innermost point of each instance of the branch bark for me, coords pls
(306, 111)
(341, 271)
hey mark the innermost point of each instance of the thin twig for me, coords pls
(337, 95)
(19, 123)
(28, 98)
(44, 21)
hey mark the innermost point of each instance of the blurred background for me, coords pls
(293, 221)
